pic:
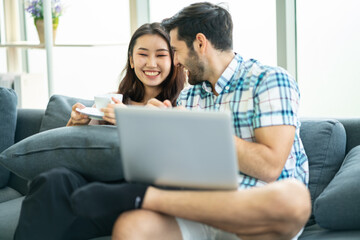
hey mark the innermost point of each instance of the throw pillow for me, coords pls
(58, 111)
(324, 142)
(8, 114)
(93, 151)
(338, 206)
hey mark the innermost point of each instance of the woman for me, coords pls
(150, 73)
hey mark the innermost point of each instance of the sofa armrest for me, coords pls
(28, 123)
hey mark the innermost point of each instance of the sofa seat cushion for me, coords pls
(93, 151)
(8, 102)
(324, 142)
(58, 111)
(10, 212)
(7, 193)
(338, 207)
(315, 232)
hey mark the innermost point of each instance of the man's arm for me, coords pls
(265, 158)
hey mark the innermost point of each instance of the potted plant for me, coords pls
(36, 9)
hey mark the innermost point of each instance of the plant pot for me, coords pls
(39, 23)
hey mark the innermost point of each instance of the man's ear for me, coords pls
(201, 42)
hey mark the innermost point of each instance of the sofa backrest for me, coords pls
(58, 111)
(325, 144)
(352, 128)
(28, 123)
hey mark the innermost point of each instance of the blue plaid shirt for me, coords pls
(257, 96)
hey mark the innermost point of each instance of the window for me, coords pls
(254, 25)
(3, 66)
(3, 60)
(328, 57)
(86, 71)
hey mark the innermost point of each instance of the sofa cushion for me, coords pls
(7, 193)
(58, 111)
(338, 207)
(10, 212)
(8, 102)
(315, 232)
(324, 142)
(93, 151)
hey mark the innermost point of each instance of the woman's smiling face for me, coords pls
(151, 61)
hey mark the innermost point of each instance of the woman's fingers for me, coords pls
(158, 104)
(78, 118)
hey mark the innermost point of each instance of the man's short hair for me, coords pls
(211, 20)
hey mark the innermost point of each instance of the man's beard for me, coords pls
(195, 68)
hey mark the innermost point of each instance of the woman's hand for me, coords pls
(77, 118)
(153, 102)
(109, 111)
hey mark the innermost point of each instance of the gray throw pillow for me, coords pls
(324, 142)
(93, 151)
(338, 207)
(58, 111)
(8, 114)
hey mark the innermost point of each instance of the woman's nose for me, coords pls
(151, 62)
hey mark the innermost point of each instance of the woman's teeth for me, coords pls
(151, 73)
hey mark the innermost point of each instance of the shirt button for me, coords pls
(217, 105)
(227, 88)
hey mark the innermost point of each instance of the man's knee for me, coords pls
(130, 225)
(294, 205)
(142, 224)
(297, 199)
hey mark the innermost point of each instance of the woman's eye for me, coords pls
(142, 54)
(162, 55)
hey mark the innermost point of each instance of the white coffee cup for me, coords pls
(101, 101)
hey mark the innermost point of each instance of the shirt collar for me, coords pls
(226, 76)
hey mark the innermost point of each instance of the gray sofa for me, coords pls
(326, 141)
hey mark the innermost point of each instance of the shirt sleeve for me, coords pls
(276, 100)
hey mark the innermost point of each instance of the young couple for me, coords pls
(272, 201)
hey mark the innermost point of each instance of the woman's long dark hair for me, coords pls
(132, 88)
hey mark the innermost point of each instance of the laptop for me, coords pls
(177, 148)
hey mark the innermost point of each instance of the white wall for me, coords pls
(86, 71)
(328, 41)
(329, 57)
(254, 24)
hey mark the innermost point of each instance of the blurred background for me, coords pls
(317, 41)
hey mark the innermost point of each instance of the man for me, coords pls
(264, 104)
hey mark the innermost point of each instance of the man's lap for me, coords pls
(191, 230)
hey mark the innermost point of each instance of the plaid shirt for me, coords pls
(257, 96)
